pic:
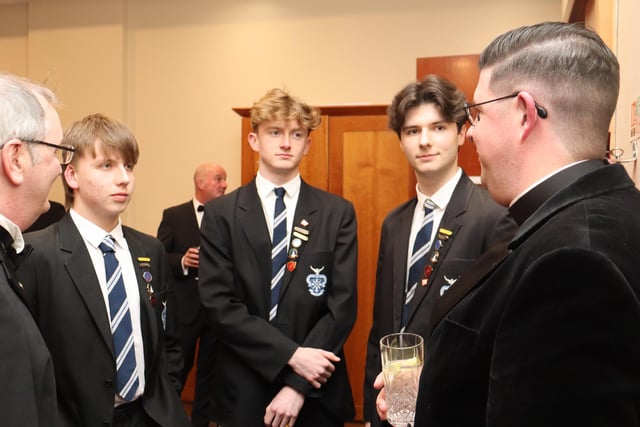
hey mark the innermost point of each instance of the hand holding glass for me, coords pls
(402, 359)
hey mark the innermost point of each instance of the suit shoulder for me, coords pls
(481, 198)
(43, 236)
(143, 238)
(178, 208)
(327, 198)
(400, 208)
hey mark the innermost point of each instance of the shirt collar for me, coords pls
(196, 203)
(14, 231)
(441, 197)
(94, 234)
(265, 187)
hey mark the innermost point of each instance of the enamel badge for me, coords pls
(317, 282)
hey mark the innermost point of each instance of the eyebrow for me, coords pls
(439, 122)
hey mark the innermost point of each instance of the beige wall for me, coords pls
(173, 69)
(627, 48)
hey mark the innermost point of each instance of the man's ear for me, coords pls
(70, 177)
(307, 145)
(530, 116)
(462, 136)
(13, 160)
(253, 141)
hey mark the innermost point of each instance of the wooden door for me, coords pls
(369, 169)
(461, 70)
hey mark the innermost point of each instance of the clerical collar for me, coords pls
(529, 202)
(12, 230)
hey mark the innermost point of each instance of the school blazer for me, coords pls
(475, 222)
(317, 306)
(65, 296)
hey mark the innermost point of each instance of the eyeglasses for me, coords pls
(64, 152)
(473, 114)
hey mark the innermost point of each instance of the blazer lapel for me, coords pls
(402, 228)
(305, 219)
(148, 324)
(473, 277)
(80, 268)
(451, 221)
(251, 218)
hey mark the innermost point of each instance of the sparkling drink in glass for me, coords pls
(402, 359)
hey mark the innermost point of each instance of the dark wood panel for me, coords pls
(369, 169)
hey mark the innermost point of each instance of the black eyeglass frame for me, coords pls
(542, 112)
(63, 147)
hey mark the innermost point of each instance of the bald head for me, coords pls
(210, 181)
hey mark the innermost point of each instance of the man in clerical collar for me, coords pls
(30, 161)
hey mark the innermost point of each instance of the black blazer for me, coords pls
(476, 222)
(235, 276)
(545, 331)
(179, 231)
(64, 292)
(27, 386)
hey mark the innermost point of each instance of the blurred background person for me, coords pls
(179, 232)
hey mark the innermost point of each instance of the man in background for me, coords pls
(30, 160)
(278, 275)
(429, 241)
(179, 232)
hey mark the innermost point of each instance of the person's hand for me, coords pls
(284, 408)
(313, 364)
(191, 258)
(381, 401)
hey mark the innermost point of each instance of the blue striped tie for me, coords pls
(278, 250)
(418, 260)
(121, 328)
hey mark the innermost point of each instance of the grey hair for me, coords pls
(21, 114)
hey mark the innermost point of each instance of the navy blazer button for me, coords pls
(108, 384)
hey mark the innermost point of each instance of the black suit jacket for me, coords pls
(179, 231)
(68, 305)
(476, 222)
(27, 386)
(235, 276)
(546, 331)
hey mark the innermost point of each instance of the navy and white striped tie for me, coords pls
(278, 250)
(121, 328)
(418, 260)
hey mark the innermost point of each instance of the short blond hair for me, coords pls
(277, 104)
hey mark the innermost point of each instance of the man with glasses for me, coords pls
(98, 290)
(462, 221)
(27, 171)
(546, 330)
